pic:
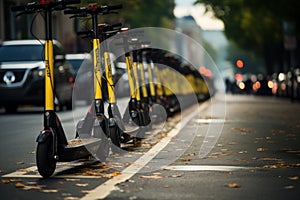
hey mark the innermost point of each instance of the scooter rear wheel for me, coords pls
(45, 162)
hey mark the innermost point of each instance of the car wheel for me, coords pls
(69, 105)
(11, 108)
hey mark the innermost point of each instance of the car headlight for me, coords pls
(38, 72)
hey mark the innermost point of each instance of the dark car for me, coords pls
(22, 70)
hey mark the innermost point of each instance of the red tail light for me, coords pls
(43, 2)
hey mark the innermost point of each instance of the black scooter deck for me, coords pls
(78, 148)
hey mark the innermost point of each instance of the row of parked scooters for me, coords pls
(155, 77)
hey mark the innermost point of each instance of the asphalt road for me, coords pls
(255, 154)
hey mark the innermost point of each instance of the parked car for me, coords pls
(22, 70)
(79, 59)
(83, 71)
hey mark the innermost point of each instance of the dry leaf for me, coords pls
(191, 154)
(50, 191)
(5, 181)
(233, 185)
(294, 178)
(20, 163)
(185, 159)
(176, 175)
(71, 198)
(113, 174)
(81, 184)
(33, 187)
(71, 179)
(261, 149)
(152, 177)
(289, 187)
(19, 185)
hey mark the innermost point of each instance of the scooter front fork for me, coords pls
(53, 128)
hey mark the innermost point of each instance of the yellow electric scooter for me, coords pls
(52, 144)
(96, 122)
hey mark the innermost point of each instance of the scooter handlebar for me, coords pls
(75, 11)
(35, 5)
(68, 2)
(26, 7)
(115, 7)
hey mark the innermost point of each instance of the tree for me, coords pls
(140, 13)
(257, 25)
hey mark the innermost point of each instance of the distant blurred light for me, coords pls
(281, 77)
(239, 63)
(242, 85)
(256, 86)
(298, 79)
(253, 78)
(270, 84)
(238, 77)
(289, 75)
(274, 89)
(204, 71)
(283, 86)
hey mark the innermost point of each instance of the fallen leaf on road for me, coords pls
(289, 187)
(185, 159)
(19, 185)
(293, 178)
(271, 159)
(71, 179)
(261, 149)
(50, 191)
(33, 187)
(191, 154)
(151, 176)
(25, 170)
(81, 184)
(176, 175)
(20, 163)
(10, 180)
(233, 185)
(71, 198)
(113, 174)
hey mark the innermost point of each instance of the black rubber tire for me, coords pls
(115, 139)
(45, 162)
(11, 108)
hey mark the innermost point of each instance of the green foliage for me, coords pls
(140, 13)
(257, 25)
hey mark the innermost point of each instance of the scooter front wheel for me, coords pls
(45, 162)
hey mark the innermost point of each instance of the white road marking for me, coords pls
(221, 168)
(209, 121)
(107, 187)
(61, 167)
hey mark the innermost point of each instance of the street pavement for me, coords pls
(250, 152)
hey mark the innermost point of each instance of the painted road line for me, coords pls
(61, 167)
(220, 168)
(107, 187)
